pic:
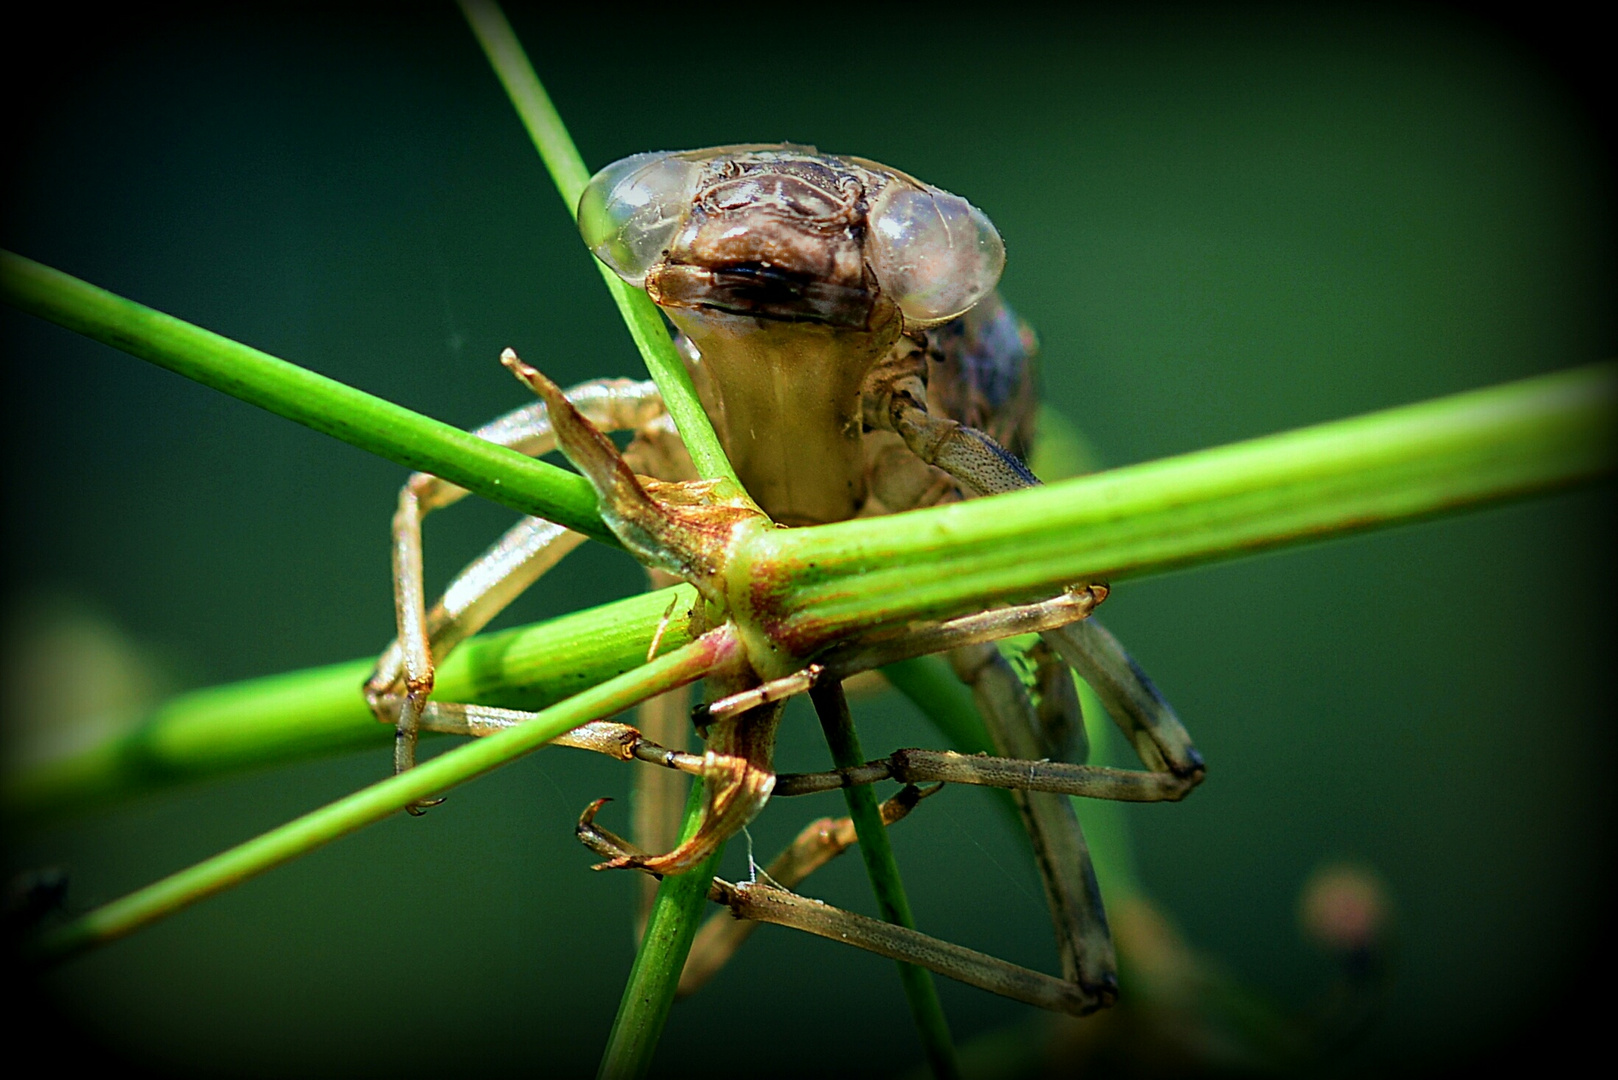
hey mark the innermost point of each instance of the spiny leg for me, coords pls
(1028, 773)
(907, 766)
(399, 686)
(819, 843)
(762, 902)
(720, 937)
(895, 400)
(686, 529)
(1146, 719)
(683, 528)
(1074, 899)
(868, 653)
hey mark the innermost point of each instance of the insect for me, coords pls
(839, 319)
(1201, 268)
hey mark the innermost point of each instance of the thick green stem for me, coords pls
(1298, 487)
(655, 977)
(281, 718)
(568, 171)
(831, 704)
(376, 802)
(827, 582)
(355, 417)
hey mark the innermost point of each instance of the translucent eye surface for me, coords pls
(631, 210)
(935, 254)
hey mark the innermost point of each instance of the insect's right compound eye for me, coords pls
(631, 210)
(935, 254)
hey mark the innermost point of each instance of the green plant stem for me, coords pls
(280, 718)
(655, 976)
(544, 124)
(1302, 486)
(831, 705)
(830, 581)
(328, 406)
(934, 689)
(1334, 479)
(374, 803)
(947, 702)
(568, 171)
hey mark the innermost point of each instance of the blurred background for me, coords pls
(1223, 222)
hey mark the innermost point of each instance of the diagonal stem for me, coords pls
(370, 805)
(831, 705)
(1301, 486)
(327, 406)
(568, 170)
(1377, 470)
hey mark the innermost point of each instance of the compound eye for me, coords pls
(934, 254)
(631, 210)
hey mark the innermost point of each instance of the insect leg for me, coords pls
(868, 653)
(1077, 915)
(923, 766)
(600, 736)
(762, 902)
(659, 795)
(399, 686)
(896, 399)
(1148, 721)
(819, 843)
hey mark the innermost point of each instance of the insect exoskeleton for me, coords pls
(791, 273)
(839, 321)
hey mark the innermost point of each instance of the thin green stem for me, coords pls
(934, 689)
(321, 827)
(945, 701)
(328, 406)
(655, 976)
(567, 169)
(550, 136)
(831, 705)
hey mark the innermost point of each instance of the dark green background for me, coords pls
(1222, 223)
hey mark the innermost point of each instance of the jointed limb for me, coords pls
(908, 766)
(819, 843)
(399, 687)
(659, 794)
(868, 653)
(896, 400)
(1016, 774)
(740, 726)
(1063, 857)
(608, 737)
(766, 903)
(1147, 720)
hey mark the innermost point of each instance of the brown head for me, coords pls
(791, 272)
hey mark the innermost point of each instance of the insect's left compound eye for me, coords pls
(935, 254)
(631, 210)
